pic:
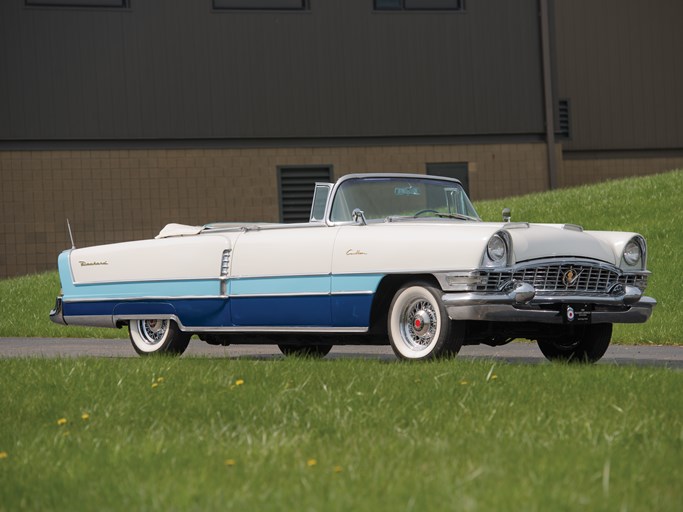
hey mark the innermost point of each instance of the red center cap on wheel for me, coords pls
(418, 323)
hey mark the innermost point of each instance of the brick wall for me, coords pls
(119, 195)
(580, 171)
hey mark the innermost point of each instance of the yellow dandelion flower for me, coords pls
(85, 416)
(160, 380)
(463, 382)
(155, 385)
(494, 376)
(4, 455)
(61, 422)
(338, 469)
(311, 463)
(239, 382)
(230, 462)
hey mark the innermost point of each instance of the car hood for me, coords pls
(537, 241)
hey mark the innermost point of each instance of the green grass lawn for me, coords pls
(297, 434)
(649, 205)
(353, 434)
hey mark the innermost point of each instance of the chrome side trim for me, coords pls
(277, 295)
(90, 320)
(158, 280)
(261, 227)
(245, 329)
(298, 294)
(282, 329)
(145, 297)
(270, 276)
(224, 297)
(359, 292)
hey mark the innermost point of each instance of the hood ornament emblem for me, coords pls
(571, 277)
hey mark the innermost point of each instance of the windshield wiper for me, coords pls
(460, 216)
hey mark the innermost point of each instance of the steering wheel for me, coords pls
(428, 210)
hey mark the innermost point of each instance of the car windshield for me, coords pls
(397, 198)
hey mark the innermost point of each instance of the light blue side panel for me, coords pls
(133, 289)
(362, 283)
(280, 285)
(356, 283)
(138, 289)
(65, 276)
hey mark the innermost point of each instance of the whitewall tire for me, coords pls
(418, 324)
(157, 336)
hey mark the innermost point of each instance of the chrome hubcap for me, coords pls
(418, 324)
(153, 331)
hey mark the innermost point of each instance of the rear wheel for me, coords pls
(419, 326)
(587, 345)
(157, 336)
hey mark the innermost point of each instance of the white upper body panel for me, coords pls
(284, 250)
(187, 257)
(317, 249)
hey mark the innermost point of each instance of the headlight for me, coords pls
(632, 253)
(496, 249)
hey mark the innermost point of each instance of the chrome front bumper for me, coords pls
(524, 304)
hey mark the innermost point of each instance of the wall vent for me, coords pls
(297, 185)
(564, 119)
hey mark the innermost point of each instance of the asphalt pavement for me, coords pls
(516, 352)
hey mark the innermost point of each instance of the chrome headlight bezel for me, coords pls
(498, 250)
(634, 254)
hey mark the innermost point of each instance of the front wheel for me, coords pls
(587, 345)
(419, 326)
(157, 336)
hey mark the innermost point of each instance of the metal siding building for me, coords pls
(175, 69)
(124, 115)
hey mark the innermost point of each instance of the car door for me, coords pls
(280, 277)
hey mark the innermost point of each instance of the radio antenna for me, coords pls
(71, 236)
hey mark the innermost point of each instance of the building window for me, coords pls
(77, 3)
(457, 170)
(259, 5)
(297, 185)
(419, 5)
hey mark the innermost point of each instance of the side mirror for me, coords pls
(358, 216)
(507, 214)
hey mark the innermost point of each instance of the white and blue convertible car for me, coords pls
(385, 259)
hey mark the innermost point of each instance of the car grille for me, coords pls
(556, 278)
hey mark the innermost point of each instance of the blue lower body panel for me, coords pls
(190, 312)
(298, 311)
(281, 311)
(351, 310)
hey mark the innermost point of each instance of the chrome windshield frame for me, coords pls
(332, 197)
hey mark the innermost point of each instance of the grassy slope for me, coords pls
(201, 434)
(648, 205)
